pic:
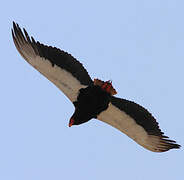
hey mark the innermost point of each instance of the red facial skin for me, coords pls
(71, 122)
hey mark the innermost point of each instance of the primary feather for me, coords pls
(91, 99)
(58, 66)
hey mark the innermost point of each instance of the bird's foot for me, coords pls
(106, 86)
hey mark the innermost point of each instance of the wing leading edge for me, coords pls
(137, 123)
(58, 66)
(70, 76)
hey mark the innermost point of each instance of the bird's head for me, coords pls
(79, 117)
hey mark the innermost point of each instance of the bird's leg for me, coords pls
(106, 86)
(109, 86)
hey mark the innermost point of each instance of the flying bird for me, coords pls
(91, 98)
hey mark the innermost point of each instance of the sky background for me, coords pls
(137, 44)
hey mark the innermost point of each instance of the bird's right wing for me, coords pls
(137, 123)
(58, 66)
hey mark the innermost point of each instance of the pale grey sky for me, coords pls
(137, 44)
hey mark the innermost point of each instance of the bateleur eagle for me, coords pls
(91, 98)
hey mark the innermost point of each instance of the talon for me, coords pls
(106, 86)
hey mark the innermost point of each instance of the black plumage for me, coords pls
(92, 99)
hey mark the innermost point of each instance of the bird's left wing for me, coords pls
(58, 66)
(137, 123)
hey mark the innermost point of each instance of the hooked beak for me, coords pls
(71, 122)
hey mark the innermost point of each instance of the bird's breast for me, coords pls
(91, 101)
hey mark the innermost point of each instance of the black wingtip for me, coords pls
(14, 25)
(33, 40)
(173, 146)
(12, 32)
(177, 146)
(170, 144)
